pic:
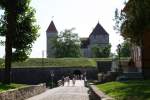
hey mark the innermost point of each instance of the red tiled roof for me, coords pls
(51, 28)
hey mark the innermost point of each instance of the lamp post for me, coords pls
(84, 76)
(52, 76)
(119, 48)
(42, 57)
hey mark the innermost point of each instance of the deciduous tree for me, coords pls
(133, 21)
(67, 44)
(125, 50)
(18, 26)
(135, 25)
(101, 51)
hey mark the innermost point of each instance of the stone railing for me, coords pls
(23, 93)
(96, 94)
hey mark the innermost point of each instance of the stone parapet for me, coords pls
(23, 93)
(97, 94)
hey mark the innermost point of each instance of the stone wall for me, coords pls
(104, 66)
(99, 39)
(43, 75)
(23, 93)
(96, 94)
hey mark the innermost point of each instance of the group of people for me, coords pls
(68, 79)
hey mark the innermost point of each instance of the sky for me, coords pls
(83, 15)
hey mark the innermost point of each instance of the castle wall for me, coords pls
(99, 39)
(136, 55)
(50, 49)
(43, 75)
(86, 52)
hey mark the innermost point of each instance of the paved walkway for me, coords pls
(67, 92)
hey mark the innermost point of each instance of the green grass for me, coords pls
(131, 90)
(11, 86)
(58, 62)
(55, 62)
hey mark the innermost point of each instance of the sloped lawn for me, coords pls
(56, 62)
(11, 86)
(131, 90)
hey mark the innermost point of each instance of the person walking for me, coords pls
(81, 76)
(73, 81)
(63, 80)
(68, 80)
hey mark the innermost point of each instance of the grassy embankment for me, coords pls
(131, 90)
(11, 86)
(58, 62)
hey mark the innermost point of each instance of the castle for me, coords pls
(98, 37)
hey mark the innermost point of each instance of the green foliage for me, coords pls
(2, 4)
(55, 62)
(60, 62)
(131, 90)
(9, 28)
(4, 87)
(67, 44)
(125, 50)
(118, 18)
(101, 51)
(134, 21)
(26, 30)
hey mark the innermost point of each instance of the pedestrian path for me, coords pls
(77, 83)
(66, 92)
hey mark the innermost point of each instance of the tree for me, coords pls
(135, 25)
(10, 9)
(133, 20)
(17, 25)
(101, 51)
(26, 33)
(125, 50)
(67, 44)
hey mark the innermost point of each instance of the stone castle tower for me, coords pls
(98, 37)
(51, 33)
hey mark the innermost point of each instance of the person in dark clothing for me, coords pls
(63, 80)
(132, 66)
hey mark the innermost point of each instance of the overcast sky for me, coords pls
(83, 15)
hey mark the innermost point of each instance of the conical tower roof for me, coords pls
(51, 28)
(98, 30)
